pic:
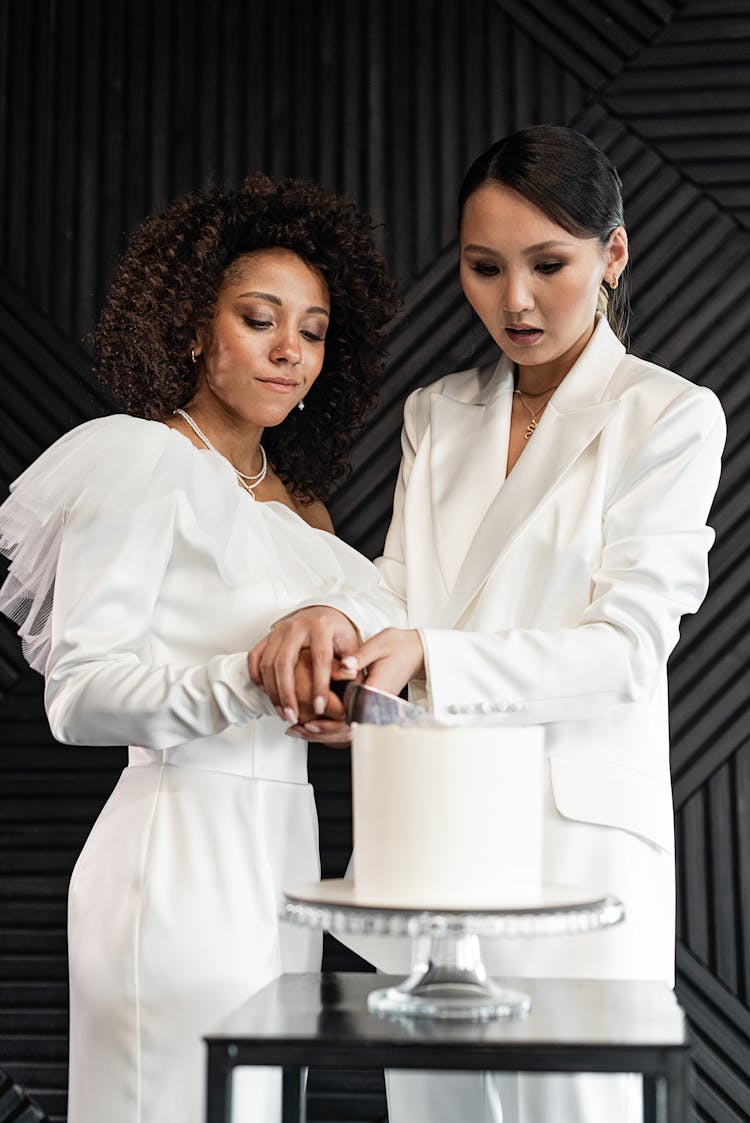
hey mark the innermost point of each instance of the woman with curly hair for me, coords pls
(150, 550)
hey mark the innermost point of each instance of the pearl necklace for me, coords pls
(249, 482)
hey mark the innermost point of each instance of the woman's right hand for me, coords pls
(303, 684)
(323, 731)
(391, 659)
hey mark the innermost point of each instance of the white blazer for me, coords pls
(554, 595)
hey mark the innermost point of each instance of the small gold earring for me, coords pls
(192, 355)
(614, 282)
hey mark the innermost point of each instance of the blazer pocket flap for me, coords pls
(611, 794)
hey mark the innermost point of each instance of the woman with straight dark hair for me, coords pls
(549, 532)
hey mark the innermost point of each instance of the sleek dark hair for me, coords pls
(570, 180)
(165, 291)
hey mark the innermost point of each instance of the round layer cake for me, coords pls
(447, 818)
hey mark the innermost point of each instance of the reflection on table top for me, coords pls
(319, 1019)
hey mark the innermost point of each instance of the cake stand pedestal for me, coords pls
(448, 978)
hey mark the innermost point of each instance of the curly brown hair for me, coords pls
(165, 291)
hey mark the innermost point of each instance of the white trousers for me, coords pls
(421, 1097)
(601, 860)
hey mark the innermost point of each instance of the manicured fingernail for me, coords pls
(312, 728)
(290, 716)
(294, 733)
(280, 712)
(319, 704)
(350, 662)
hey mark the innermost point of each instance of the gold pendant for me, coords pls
(530, 429)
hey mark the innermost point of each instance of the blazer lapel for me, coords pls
(572, 420)
(468, 455)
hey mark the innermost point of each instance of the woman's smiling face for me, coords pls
(266, 343)
(533, 285)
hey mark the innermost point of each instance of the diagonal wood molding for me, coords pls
(721, 1026)
(593, 41)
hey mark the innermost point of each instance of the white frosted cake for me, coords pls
(449, 817)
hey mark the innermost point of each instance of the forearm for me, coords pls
(529, 676)
(123, 701)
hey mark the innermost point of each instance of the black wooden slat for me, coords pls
(230, 126)
(722, 843)
(43, 968)
(353, 94)
(33, 995)
(257, 59)
(88, 211)
(38, 1022)
(63, 191)
(212, 111)
(278, 88)
(741, 818)
(5, 126)
(327, 95)
(41, 215)
(19, 79)
(691, 824)
(376, 147)
(41, 915)
(135, 118)
(161, 62)
(47, 941)
(400, 116)
(114, 148)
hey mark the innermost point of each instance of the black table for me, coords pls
(575, 1025)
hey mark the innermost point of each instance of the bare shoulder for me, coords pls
(315, 514)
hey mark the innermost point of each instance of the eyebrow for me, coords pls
(530, 250)
(276, 300)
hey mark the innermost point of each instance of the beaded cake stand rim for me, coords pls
(347, 917)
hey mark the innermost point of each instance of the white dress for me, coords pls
(168, 574)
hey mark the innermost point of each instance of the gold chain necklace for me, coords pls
(533, 413)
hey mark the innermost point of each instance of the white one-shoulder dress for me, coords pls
(141, 575)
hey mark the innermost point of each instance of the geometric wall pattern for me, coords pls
(107, 111)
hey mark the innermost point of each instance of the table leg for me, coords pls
(677, 1081)
(219, 1084)
(293, 1085)
(649, 1098)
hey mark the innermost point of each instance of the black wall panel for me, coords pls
(107, 110)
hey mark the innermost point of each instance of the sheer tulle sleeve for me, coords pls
(88, 529)
(31, 526)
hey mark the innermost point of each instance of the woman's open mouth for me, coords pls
(524, 335)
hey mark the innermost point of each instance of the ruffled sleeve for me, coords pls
(88, 529)
(31, 529)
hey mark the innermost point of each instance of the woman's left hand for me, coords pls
(272, 663)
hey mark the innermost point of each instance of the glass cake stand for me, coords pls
(448, 979)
